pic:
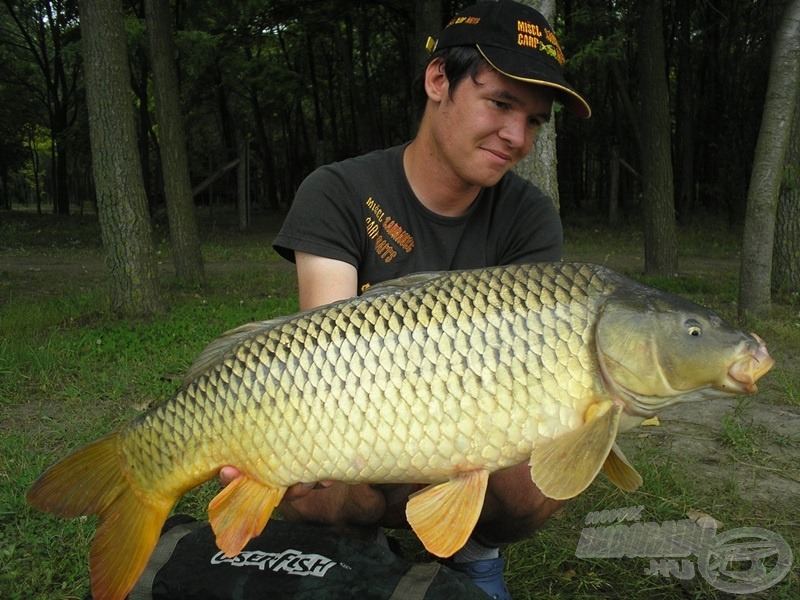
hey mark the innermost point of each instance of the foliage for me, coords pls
(311, 82)
(41, 39)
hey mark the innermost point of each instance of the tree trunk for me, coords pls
(139, 82)
(184, 238)
(5, 199)
(243, 185)
(343, 45)
(427, 23)
(367, 101)
(786, 263)
(685, 117)
(613, 186)
(773, 140)
(60, 188)
(265, 150)
(320, 157)
(226, 120)
(541, 165)
(660, 245)
(121, 202)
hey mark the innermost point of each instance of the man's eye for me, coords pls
(500, 104)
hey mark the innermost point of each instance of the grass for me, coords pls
(70, 372)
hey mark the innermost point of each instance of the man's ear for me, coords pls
(436, 84)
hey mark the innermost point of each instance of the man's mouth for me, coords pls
(502, 156)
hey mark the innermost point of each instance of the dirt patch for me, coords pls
(50, 275)
(745, 448)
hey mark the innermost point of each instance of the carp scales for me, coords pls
(437, 378)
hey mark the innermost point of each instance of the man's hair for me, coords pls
(459, 61)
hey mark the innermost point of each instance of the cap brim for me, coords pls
(537, 72)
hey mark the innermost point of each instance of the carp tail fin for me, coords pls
(90, 481)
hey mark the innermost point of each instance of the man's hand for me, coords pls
(354, 510)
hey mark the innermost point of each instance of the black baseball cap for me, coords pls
(518, 42)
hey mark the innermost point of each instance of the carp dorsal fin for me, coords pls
(443, 515)
(564, 467)
(620, 471)
(225, 344)
(401, 283)
(241, 511)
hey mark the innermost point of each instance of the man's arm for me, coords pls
(323, 280)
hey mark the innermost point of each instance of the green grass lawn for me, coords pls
(70, 372)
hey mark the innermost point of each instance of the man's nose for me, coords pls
(517, 132)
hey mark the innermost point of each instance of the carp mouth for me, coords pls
(743, 374)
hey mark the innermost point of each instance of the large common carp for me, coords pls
(439, 378)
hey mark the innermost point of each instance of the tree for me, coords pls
(755, 283)
(121, 201)
(141, 78)
(684, 146)
(184, 237)
(13, 126)
(427, 23)
(658, 203)
(45, 31)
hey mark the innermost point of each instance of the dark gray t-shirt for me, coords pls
(362, 211)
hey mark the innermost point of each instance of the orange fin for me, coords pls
(241, 511)
(620, 471)
(444, 515)
(91, 481)
(565, 466)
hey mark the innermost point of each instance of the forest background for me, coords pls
(265, 91)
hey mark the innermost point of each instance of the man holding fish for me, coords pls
(446, 200)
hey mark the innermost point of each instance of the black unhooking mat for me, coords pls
(289, 560)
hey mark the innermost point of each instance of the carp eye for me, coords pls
(693, 327)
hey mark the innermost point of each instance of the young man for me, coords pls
(446, 200)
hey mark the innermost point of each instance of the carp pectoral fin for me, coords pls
(91, 481)
(443, 515)
(620, 471)
(241, 511)
(565, 466)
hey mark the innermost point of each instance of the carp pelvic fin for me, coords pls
(564, 467)
(241, 511)
(620, 471)
(443, 515)
(91, 481)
